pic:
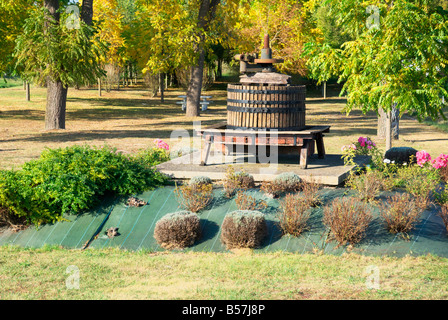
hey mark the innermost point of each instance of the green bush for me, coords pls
(153, 156)
(420, 182)
(72, 180)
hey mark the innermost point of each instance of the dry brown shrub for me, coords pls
(194, 197)
(401, 212)
(348, 219)
(247, 202)
(444, 174)
(177, 230)
(12, 221)
(243, 229)
(293, 214)
(367, 185)
(284, 182)
(234, 181)
(310, 191)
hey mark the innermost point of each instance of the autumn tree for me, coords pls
(12, 17)
(289, 25)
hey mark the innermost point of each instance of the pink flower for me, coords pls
(423, 157)
(161, 144)
(441, 161)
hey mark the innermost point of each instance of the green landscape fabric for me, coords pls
(72, 232)
(136, 228)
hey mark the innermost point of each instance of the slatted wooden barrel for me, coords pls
(267, 107)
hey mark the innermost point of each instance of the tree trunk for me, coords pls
(394, 123)
(207, 11)
(388, 130)
(99, 87)
(162, 87)
(87, 11)
(56, 93)
(324, 89)
(195, 87)
(28, 95)
(56, 104)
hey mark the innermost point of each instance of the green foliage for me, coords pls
(72, 180)
(58, 52)
(153, 156)
(419, 182)
(367, 185)
(12, 16)
(403, 61)
(442, 195)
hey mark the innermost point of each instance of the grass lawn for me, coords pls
(130, 120)
(118, 274)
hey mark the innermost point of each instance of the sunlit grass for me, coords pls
(117, 274)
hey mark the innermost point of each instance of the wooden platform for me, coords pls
(329, 171)
(303, 140)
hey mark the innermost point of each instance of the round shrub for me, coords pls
(288, 180)
(235, 181)
(284, 182)
(200, 180)
(177, 230)
(243, 229)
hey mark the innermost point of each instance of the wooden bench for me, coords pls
(302, 139)
(204, 103)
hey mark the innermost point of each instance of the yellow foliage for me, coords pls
(108, 18)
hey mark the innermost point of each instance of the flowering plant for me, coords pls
(441, 161)
(423, 157)
(364, 146)
(161, 144)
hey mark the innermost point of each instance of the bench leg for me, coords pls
(304, 155)
(206, 150)
(320, 146)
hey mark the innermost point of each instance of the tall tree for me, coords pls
(402, 61)
(207, 10)
(53, 52)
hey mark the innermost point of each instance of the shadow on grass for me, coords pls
(95, 135)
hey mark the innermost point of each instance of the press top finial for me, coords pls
(266, 41)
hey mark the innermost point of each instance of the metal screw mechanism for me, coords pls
(251, 63)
